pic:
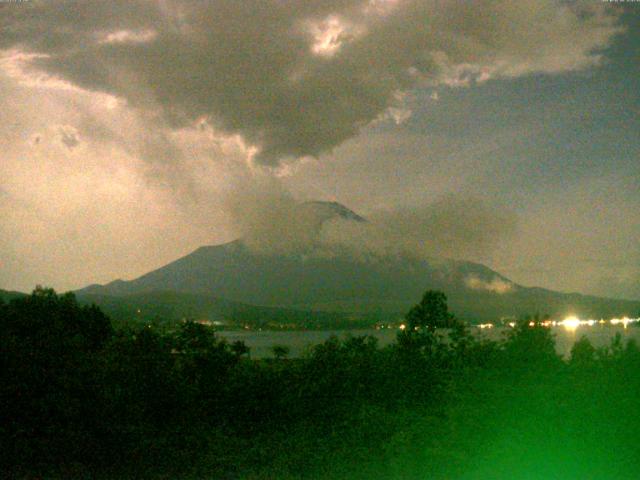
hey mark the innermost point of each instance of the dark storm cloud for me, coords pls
(297, 78)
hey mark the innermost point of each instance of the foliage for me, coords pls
(80, 400)
(531, 346)
(432, 312)
(280, 351)
(583, 354)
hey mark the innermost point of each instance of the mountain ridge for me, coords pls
(341, 283)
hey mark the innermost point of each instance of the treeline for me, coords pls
(79, 399)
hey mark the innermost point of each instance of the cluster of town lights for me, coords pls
(572, 323)
(569, 323)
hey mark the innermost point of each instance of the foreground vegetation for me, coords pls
(82, 400)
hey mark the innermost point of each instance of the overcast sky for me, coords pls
(133, 132)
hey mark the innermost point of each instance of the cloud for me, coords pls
(296, 79)
(129, 125)
(271, 221)
(451, 227)
(496, 285)
(128, 36)
(582, 237)
(82, 199)
(268, 219)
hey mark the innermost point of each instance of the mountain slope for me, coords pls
(340, 283)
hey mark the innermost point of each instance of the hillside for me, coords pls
(171, 306)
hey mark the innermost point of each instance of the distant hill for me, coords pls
(6, 295)
(171, 306)
(376, 287)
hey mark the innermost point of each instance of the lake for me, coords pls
(299, 342)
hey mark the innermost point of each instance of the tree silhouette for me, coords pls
(431, 313)
(528, 346)
(583, 352)
(280, 351)
(239, 348)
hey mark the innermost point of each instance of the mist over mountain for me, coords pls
(321, 279)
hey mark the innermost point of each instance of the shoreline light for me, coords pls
(570, 323)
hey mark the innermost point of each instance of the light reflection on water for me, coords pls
(299, 342)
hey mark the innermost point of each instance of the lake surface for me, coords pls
(300, 342)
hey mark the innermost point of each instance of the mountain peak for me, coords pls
(327, 210)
